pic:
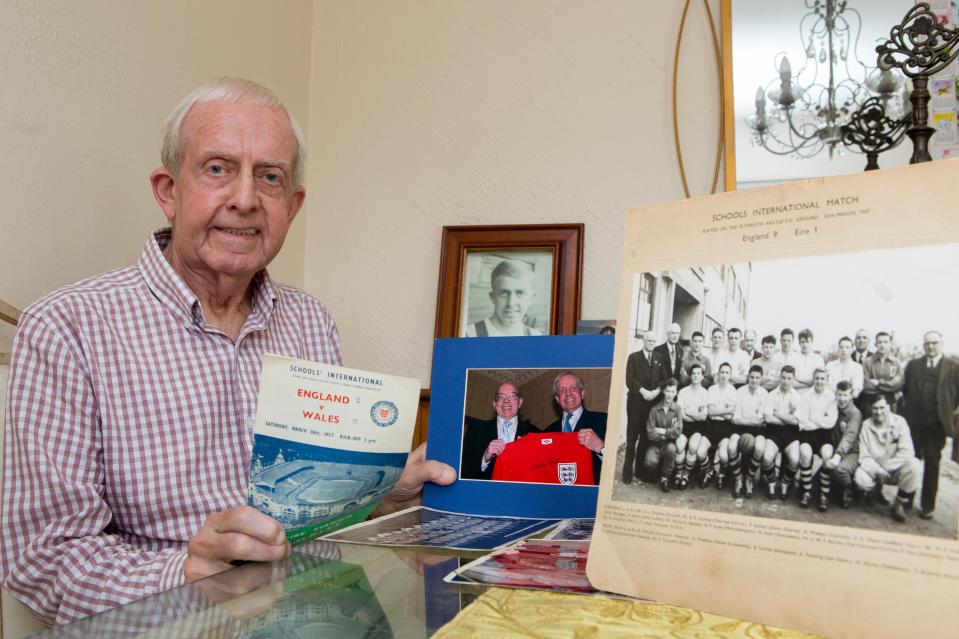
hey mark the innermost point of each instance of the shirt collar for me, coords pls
(168, 287)
(575, 415)
(935, 360)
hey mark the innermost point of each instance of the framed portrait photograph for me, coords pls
(509, 281)
(523, 423)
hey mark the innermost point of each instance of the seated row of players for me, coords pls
(775, 434)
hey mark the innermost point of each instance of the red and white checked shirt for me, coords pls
(129, 420)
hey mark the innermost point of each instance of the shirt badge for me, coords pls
(567, 473)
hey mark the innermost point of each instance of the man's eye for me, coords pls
(273, 178)
(216, 169)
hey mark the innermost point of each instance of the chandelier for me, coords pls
(802, 113)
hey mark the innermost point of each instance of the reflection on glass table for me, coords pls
(323, 589)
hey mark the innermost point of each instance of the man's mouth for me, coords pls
(241, 232)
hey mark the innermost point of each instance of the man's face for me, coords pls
(932, 344)
(880, 411)
(749, 341)
(511, 297)
(234, 199)
(696, 376)
(883, 344)
(786, 342)
(507, 401)
(697, 344)
(672, 335)
(569, 395)
(755, 377)
(819, 382)
(734, 340)
(769, 349)
(862, 341)
(845, 350)
(649, 341)
(669, 393)
(844, 398)
(805, 343)
(786, 380)
(723, 375)
(717, 340)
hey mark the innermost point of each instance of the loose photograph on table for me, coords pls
(820, 389)
(421, 526)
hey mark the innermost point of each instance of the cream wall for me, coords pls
(420, 113)
(440, 112)
(84, 88)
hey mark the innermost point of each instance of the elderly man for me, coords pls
(862, 352)
(484, 441)
(132, 394)
(671, 351)
(749, 344)
(589, 426)
(645, 371)
(931, 391)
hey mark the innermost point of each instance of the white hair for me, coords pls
(225, 90)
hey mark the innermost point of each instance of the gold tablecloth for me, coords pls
(508, 612)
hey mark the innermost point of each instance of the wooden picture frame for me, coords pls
(470, 251)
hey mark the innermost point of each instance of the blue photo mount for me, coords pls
(452, 358)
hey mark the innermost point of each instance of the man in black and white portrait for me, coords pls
(512, 290)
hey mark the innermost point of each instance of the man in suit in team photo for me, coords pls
(645, 372)
(671, 352)
(931, 408)
(569, 391)
(485, 440)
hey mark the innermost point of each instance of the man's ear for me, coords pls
(164, 190)
(296, 202)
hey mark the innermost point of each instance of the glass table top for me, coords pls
(323, 589)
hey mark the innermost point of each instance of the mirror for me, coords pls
(766, 43)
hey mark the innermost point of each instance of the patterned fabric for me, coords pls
(502, 613)
(129, 421)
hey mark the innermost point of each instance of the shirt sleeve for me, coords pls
(850, 434)
(59, 556)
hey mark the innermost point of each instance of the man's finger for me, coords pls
(249, 521)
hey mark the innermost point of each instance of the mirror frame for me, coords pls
(729, 115)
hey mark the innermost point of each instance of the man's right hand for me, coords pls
(496, 447)
(240, 533)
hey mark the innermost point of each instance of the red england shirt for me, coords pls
(546, 458)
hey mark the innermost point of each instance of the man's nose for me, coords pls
(243, 197)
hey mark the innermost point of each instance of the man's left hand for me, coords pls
(409, 489)
(589, 439)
